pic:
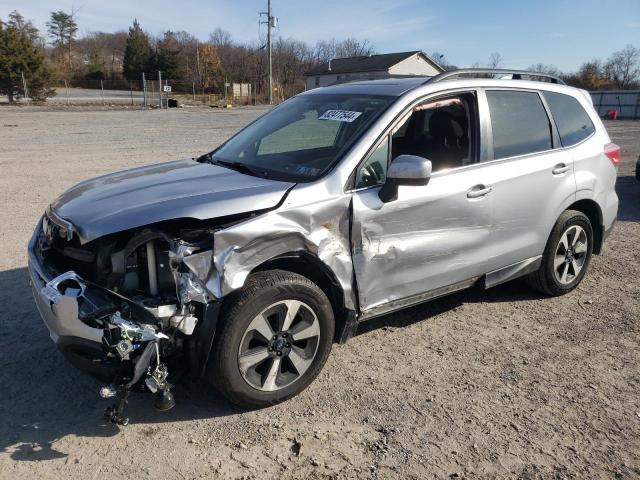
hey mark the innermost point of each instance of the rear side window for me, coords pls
(574, 125)
(519, 123)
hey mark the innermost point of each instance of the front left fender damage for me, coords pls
(321, 229)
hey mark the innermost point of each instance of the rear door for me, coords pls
(594, 174)
(531, 175)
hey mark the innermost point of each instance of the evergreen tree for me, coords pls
(17, 21)
(137, 54)
(166, 58)
(62, 29)
(19, 56)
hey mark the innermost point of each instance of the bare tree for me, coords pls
(326, 50)
(220, 38)
(544, 68)
(623, 67)
(291, 59)
(352, 47)
(495, 60)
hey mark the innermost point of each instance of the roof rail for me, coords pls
(516, 74)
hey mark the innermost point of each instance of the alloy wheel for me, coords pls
(279, 345)
(570, 255)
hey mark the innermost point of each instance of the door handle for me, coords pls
(478, 191)
(560, 169)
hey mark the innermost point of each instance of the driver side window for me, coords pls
(374, 170)
(439, 130)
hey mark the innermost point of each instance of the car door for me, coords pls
(530, 175)
(431, 239)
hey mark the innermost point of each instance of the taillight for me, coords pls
(612, 151)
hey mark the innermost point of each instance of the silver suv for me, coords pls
(344, 203)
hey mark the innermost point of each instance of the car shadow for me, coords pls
(513, 291)
(628, 190)
(44, 398)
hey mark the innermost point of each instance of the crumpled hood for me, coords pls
(165, 191)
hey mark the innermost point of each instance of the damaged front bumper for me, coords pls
(59, 306)
(80, 343)
(120, 352)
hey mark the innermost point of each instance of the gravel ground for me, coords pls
(498, 383)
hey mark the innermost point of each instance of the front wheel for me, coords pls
(566, 256)
(276, 335)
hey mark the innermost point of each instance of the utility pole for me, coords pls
(269, 25)
(271, 22)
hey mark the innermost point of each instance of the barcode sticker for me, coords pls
(340, 115)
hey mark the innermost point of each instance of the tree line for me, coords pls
(58, 56)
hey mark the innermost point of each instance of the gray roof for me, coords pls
(370, 63)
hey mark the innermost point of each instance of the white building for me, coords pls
(404, 64)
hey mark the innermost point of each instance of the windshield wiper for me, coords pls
(239, 167)
(204, 158)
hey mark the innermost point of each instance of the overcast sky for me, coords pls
(565, 33)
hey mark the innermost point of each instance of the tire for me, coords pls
(555, 278)
(246, 317)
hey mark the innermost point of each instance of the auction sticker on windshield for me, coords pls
(340, 115)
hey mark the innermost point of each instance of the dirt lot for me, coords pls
(502, 383)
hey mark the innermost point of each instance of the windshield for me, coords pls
(302, 138)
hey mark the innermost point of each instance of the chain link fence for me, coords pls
(158, 92)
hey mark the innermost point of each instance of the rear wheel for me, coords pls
(276, 336)
(566, 256)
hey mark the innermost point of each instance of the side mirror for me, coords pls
(405, 170)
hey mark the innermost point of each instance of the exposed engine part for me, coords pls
(124, 348)
(115, 412)
(157, 380)
(185, 324)
(134, 338)
(164, 400)
(152, 268)
(141, 292)
(133, 331)
(108, 391)
(162, 311)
